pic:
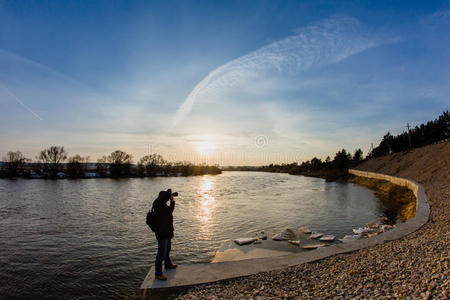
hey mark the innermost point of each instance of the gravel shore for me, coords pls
(414, 267)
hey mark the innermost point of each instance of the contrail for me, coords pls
(42, 67)
(20, 102)
(317, 45)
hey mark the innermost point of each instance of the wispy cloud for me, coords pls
(15, 59)
(315, 46)
(20, 102)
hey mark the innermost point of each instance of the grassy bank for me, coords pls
(392, 195)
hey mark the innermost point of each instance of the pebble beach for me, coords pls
(414, 267)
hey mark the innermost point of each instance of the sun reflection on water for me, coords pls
(206, 205)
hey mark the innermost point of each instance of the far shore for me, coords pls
(36, 171)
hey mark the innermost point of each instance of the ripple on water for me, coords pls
(88, 238)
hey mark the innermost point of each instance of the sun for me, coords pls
(205, 147)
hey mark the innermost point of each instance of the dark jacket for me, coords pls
(164, 223)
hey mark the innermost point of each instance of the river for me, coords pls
(87, 238)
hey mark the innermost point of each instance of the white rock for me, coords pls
(304, 230)
(327, 238)
(364, 230)
(296, 243)
(285, 235)
(245, 241)
(316, 235)
(377, 222)
(385, 227)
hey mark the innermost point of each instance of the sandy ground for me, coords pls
(415, 267)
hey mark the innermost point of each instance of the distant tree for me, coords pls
(14, 162)
(214, 170)
(316, 164)
(152, 164)
(52, 158)
(140, 170)
(358, 155)
(342, 159)
(76, 166)
(385, 145)
(120, 163)
(178, 168)
(169, 167)
(102, 166)
(444, 124)
(305, 165)
(37, 168)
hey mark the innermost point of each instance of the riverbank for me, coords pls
(416, 266)
(133, 172)
(398, 198)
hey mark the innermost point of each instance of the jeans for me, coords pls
(164, 247)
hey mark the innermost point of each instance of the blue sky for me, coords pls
(228, 82)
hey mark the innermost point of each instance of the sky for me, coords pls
(220, 82)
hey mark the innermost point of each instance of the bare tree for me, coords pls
(120, 163)
(52, 158)
(76, 166)
(152, 163)
(15, 162)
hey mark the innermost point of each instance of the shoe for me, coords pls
(172, 266)
(161, 277)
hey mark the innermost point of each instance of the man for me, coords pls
(164, 231)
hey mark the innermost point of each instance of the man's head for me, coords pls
(163, 195)
(167, 195)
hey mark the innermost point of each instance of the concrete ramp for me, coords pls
(190, 275)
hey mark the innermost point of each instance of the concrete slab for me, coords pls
(189, 275)
(237, 254)
(313, 246)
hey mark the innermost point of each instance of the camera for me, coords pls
(175, 194)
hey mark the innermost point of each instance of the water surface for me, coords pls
(88, 238)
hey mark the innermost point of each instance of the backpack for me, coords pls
(151, 219)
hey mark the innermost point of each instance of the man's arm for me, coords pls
(172, 205)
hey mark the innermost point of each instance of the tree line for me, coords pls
(329, 169)
(54, 162)
(337, 168)
(425, 134)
